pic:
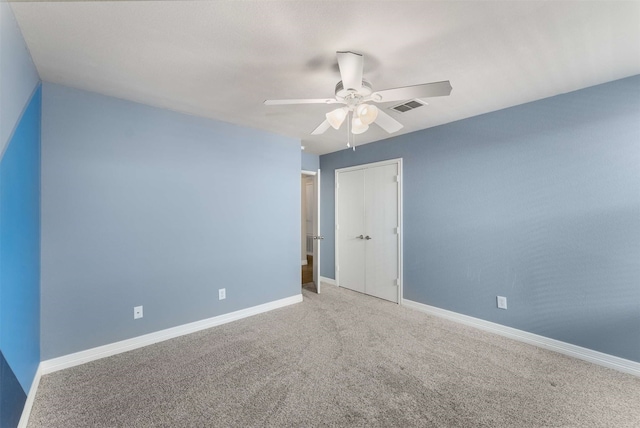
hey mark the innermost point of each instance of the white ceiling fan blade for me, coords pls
(426, 90)
(301, 101)
(351, 65)
(388, 123)
(321, 128)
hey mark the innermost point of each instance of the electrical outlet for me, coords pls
(137, 312)
(502, 302)
(222, 294)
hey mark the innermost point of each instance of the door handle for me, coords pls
(360, 237)
(368, 237)
(318, 237)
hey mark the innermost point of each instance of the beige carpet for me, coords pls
(338, 359)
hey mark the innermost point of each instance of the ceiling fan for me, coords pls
(356, 93)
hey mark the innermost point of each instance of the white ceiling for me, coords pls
(222, 59)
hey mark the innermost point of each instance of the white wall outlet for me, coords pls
(222, 294)
(502, 302)
(137, 312)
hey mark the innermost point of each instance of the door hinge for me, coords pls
(337, 227)
(337, 185)
(398, 282)
(397, 231)
(397, 179)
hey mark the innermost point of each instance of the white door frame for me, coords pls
(397, 161)
(317, 242)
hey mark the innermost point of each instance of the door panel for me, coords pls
(381, 221)
(350, 269)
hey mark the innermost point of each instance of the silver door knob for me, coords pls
(360, 237)
(367, 237)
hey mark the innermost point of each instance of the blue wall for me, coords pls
(20, 261)
(310, 162)
(20, 117)
(539, 203)
(144, 206)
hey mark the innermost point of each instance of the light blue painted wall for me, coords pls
(310, 162)
(539, 203)
(143, 206)
(20, 247)
(18, 75)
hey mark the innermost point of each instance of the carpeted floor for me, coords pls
(338, 359)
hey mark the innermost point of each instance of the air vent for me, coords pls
(408, 106)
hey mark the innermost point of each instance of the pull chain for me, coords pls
(353, 136)
(349, 133)
(348, 130)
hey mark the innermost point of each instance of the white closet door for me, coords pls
(381, 223)
(351, 245)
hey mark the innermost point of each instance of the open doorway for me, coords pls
(310, 230)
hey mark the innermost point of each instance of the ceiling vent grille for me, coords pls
(408, 106)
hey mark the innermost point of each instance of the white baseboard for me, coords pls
(303, 262)
(28, 405)
(77, 358)
(328, 280)
(600, 358)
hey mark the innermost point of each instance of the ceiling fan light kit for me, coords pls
(355, 92)
(357, 126)
(337, 116)
(367, 113)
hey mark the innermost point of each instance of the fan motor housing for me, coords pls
(351, 94)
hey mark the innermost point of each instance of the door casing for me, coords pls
(397, 161)
(316, 226)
